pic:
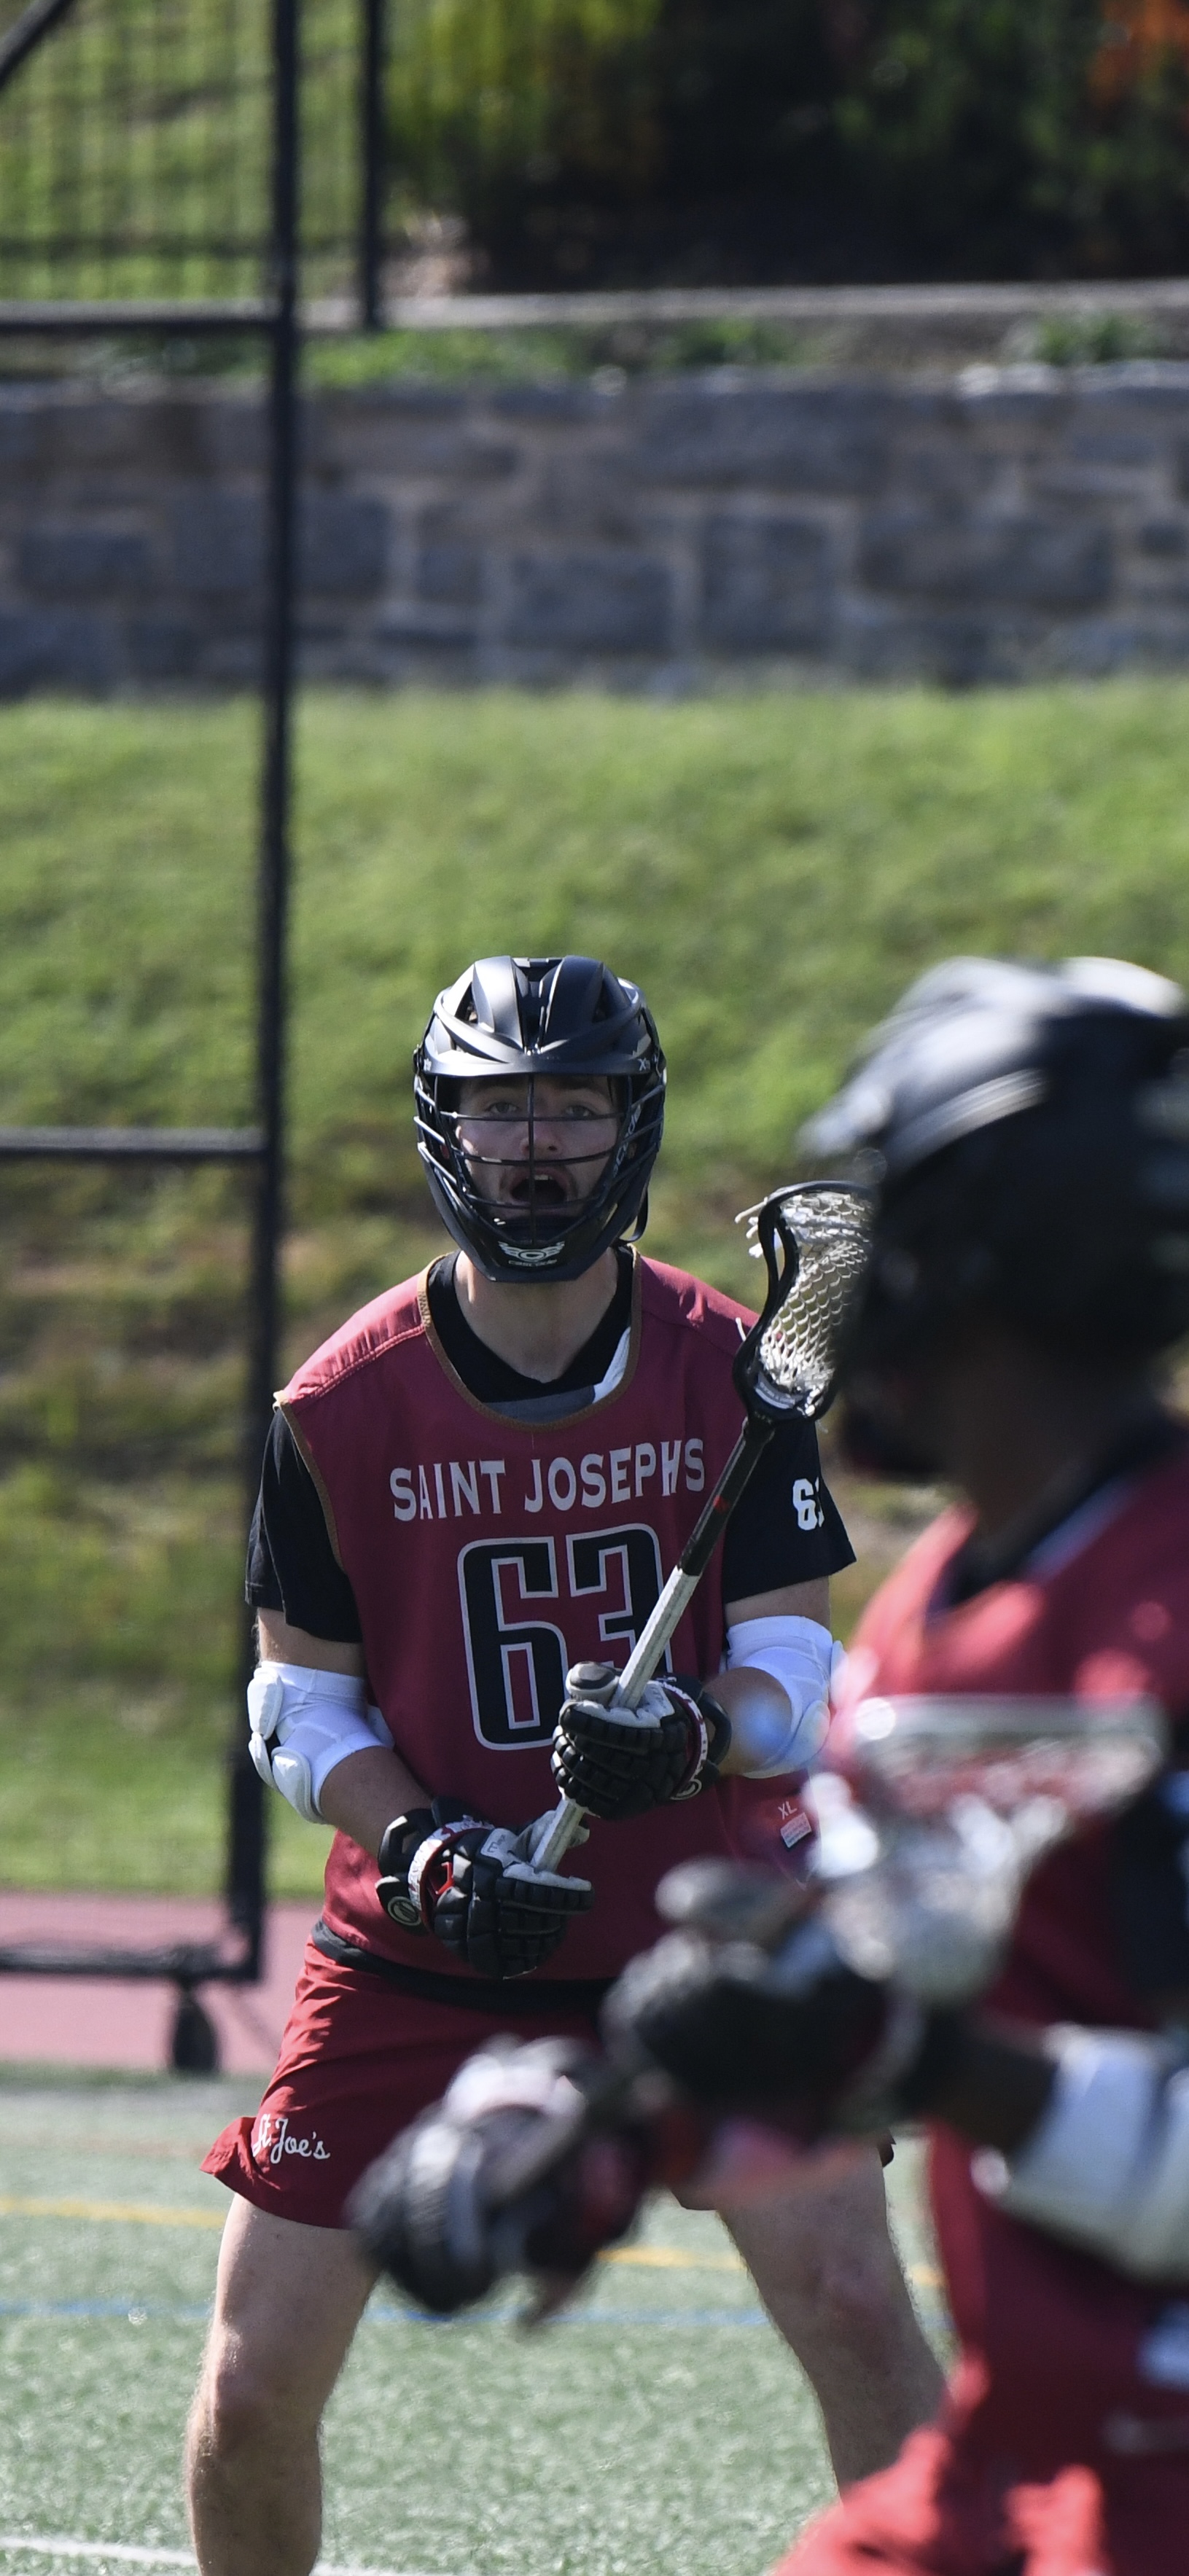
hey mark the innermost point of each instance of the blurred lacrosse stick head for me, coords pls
(1075, 1758)
(815, 1240)
(938, 1809)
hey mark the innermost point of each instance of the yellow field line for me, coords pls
(669, 2258)
(132, 2213)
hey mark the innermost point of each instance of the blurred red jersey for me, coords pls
(1063, 2362)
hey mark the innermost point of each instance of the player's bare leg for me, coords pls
(823, 2262)
(288, 2301)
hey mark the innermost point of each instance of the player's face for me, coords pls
(903, 1417)
(541, 1144)
(886, 1424)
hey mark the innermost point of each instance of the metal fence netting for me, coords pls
(135, 152)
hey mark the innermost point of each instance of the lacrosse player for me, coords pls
(475, 1486)
(1028, 1131)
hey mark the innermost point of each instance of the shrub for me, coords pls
(493, 98)
(827, 137)
(1006, 135)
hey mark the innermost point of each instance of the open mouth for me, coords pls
(547, 1190)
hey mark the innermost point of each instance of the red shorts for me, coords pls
(358, 2061)
(935, 2514)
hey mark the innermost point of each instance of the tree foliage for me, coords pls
(953, 137)
(1024, 133)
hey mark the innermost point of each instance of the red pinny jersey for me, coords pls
(486, 1555)
(1062, 2358)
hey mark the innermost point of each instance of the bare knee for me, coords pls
(288, 2302)
(855, 2291)
(247, 2401)
(824, 2263)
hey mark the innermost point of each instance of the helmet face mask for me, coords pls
(535, 1150)
(539, 1089)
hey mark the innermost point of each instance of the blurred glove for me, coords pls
(788, 2033)
(506, 2174)
(619, 1762)
(473, 1885)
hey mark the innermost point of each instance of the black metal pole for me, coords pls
(246, 1879)
(129, 1145)
(371, 225)
(29, 31)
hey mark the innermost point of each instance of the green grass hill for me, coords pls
(772, 870)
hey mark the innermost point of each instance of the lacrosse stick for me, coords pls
(813, 1239)
(918, 1889)
(915, 1882)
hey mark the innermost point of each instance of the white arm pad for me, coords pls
(1108, 2165)
(302, 1722)
(801, 1655)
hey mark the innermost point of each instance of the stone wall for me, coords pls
(663, 533)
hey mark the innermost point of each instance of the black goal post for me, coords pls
(271, 316)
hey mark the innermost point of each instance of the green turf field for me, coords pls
(661, 2426)
(772, 869)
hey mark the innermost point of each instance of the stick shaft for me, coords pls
(667, 1614)
(662, 1624)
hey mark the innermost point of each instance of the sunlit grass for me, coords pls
(771, 870)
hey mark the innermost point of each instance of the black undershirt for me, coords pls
(494, 1381)
(292, 1566)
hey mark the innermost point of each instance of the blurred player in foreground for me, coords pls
(1028, 1134)
(478, 1484)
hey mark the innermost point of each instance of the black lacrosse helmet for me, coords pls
(1026, 1129)
(528, 1017)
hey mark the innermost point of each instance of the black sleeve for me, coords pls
(292, 1566)
(786, 1526)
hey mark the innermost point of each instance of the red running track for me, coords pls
(101, 2021)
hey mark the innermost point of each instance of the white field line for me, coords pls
(58, 2545)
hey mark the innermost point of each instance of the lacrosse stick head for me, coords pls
(815, 1240)
(1079, 1758)
(958, 1798)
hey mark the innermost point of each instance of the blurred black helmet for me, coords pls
(527, 1017)
(1027, 1132)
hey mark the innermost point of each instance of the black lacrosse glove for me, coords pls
(471, 1884)
(619, 1762)
(398, 1844)
(790, 2035)
(506, 2174)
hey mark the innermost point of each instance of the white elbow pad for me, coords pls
(801, 1655)
(1107, 2167)
(302, 1722)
